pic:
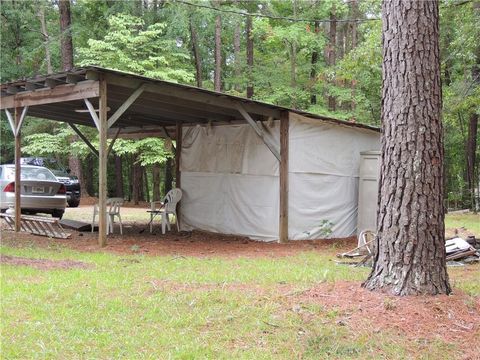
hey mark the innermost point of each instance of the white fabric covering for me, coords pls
(231, 185)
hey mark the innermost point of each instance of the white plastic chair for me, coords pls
(168, 206)
(113, 209)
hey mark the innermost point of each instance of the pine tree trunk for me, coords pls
(313, 70)
(118, 176)
(156, 182)
(137, 183)
(147, 190)
(471, 157)
(217, 83)
(87, 187)
(236, 54)
(354, 5)
(332, 103)
(196, 54)
(168, 175)
(46, 37)
(410, 244)
(472, 178)
(66, 45)
(249, 31)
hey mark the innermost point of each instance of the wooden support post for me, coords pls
(283, 213)
(18, 155)
(102, 163)
(178, 174)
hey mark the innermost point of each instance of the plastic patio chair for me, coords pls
(164, 208)
(113, 209)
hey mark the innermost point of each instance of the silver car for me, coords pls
(41, 192)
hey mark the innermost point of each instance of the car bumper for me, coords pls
(30, 202)
(73, 192)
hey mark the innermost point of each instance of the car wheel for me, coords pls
(57, 213)
(74, 203)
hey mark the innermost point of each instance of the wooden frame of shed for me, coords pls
(134, 106)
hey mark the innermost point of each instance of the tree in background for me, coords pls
(127, 46)
(281, 58)
(410, 242)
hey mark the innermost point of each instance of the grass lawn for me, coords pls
(177, 307)
(469, 221)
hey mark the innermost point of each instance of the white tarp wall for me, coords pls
(231, 184)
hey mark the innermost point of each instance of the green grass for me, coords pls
(469, 221)
(137, 307)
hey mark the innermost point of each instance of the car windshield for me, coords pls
(30, 173)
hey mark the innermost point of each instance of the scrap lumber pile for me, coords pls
(459, 251)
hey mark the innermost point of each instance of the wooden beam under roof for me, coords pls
(192, 94)
(155, 107)
(165, 99)
(60, 93)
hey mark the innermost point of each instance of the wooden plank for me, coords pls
(259, 131)
(178, 159)
(102, 164)
(51, 83)
(85, 140)
(93, 113)
(283, 211)
(11, 121)
(76, 225)
(18, 155)
(193, 95)
(131, 99)
(22, 117)
(61, 93)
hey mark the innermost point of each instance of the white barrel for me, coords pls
(368, 191)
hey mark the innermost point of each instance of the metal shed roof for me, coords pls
(161, 104)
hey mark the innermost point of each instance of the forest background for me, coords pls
(324, 57)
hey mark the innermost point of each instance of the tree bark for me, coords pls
(168, 175)
(236, 54)
(147, 190)
(249, 31)
(409, 254)
(196, 54)
(217, 82)
(88, 188)
(471, 157)
(354, 5)
(156, 183)
(313, 70)
(46, 37)
(118, 176)
(332, 103)
(472, 178)
(66, 44)
(137, 190)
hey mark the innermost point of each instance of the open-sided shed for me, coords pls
(243, 165)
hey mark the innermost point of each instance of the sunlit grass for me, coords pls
(212, 308)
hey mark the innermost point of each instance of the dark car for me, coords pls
(62, 174)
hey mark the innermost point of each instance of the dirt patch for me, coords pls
(453, 319)
(195, 244)
(43, 264)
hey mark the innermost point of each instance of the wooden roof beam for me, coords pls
(193, 95)
(60, 93)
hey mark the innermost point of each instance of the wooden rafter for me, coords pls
(60, 93)
(259, 131)
(83, 137)
(127, 103)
